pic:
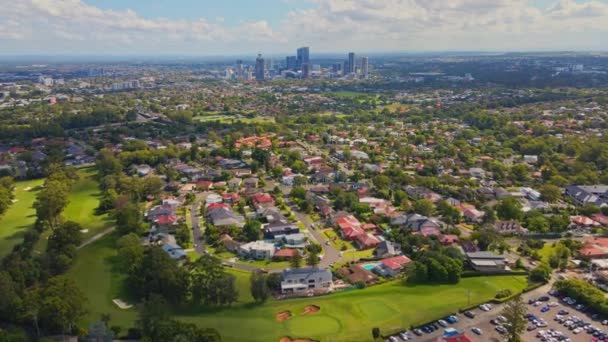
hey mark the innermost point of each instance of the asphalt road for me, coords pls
(197, 234)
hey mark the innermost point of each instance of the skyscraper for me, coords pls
(259, 68)
(364, 67)
(291, 62)
(351, 62)
(305, 70)
(303, 56)
(239, 69)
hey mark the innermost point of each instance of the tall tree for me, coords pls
(259, 287)
(296, 261)
(514, 312)
(62, 305)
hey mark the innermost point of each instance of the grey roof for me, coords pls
(484, 255)
(306, 272)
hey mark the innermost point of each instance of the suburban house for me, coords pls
(224, 216)
(285, 254)
(387, 248)
(419, 192)
(594, 248)
(487, 262)
(229, 243)
(366, 241)
(593, 194)
(301, 280)
(262, 200)
(355, 273)
(415, 222)
(509, 227)
(174, 251)
(390, 267)
(258, 250)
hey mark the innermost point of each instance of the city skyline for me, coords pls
(131, 27)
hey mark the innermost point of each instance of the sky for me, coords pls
(248, 27)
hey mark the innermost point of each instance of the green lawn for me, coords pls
(84, 200)
(345, 316)
(20, 216)
(97, 277)
(350, 316)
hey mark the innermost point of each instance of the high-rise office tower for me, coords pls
(351, 62)
(306, 70)
(337, 67)
(259, 68)
(303, 56)
(291, 62)
(239, 69)
(269, 65)
(364, 67)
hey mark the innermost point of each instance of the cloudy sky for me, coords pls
(224, 27)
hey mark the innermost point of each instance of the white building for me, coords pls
(259, 250)
(301, 280)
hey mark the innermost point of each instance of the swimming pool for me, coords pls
(369, 267)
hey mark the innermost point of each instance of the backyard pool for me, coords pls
(369, 267)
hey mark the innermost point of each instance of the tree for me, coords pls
(252, 231)
(296, 261)
(509, 209)
(159, 274)
(211, 285)
(128, 217)
(312, 259)
(541, 273)
(62, 305)
(485, 238)
(259, 287)
(423, 207)
(130, 252)
(550, 193)
(514, 312)
(51, 201)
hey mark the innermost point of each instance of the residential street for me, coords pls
(197, 233)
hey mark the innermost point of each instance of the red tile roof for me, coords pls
(395, 263)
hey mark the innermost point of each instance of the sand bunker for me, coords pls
(122, 305)
(288, 339)
(311, 309)
(283, 316)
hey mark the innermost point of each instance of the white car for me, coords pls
(553, 304)
(442, 323)
(577, 330)
(477, 331)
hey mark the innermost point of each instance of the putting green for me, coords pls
(374, 309)
(313, 324)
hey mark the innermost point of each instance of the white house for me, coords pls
(259, 250)
(301, 280)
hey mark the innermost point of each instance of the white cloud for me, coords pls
(68, 26)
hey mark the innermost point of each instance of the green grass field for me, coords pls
(345, 316)
(350, 316)
(20, 216)
(84, 200)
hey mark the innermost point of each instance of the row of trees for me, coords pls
(33, 290)
(444, 266)
(7, 186)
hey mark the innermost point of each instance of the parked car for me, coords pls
(477, 331)
(500, 329)
(393, 339)
(418, 332)
(469, 314)
(404, 336)
(545, 309)
(544, 298)
(442, 323)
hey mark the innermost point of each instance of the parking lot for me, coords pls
(542, 319)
